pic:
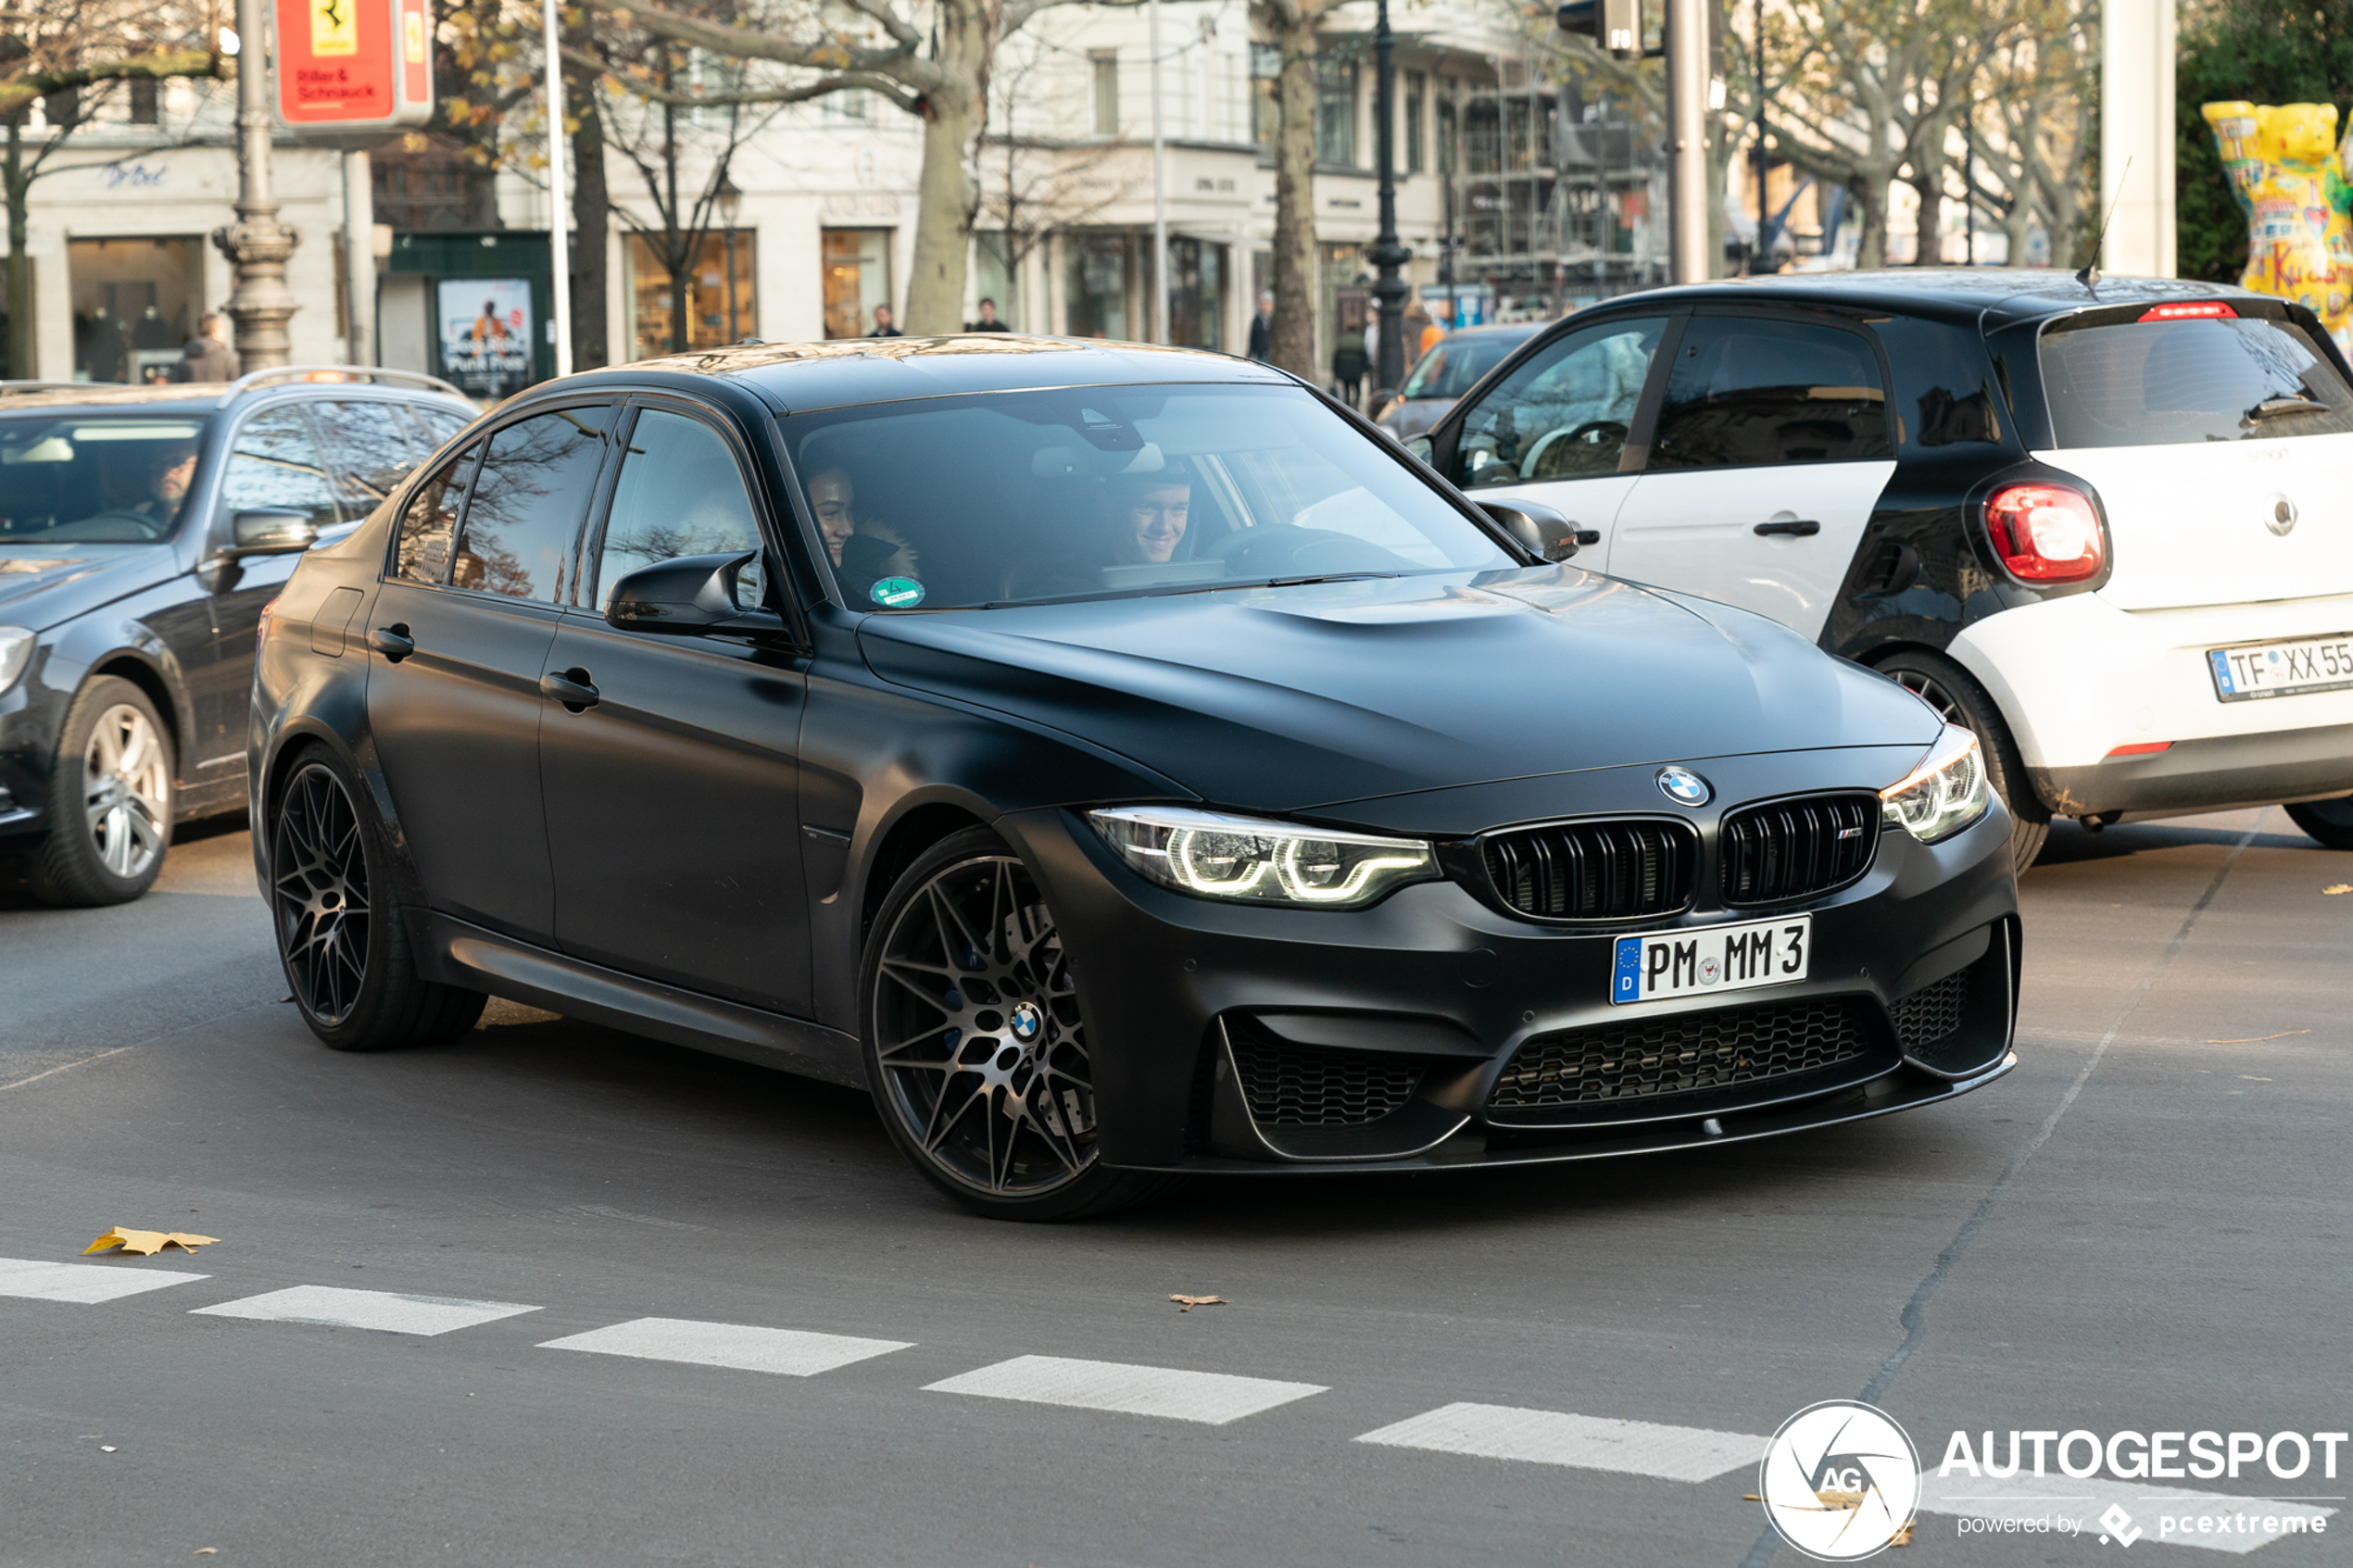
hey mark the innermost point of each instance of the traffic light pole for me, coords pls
(1615, 26)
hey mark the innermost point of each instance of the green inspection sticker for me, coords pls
(897, 593)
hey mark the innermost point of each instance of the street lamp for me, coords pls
(730, 202)
(257, 244)
(1387, 255)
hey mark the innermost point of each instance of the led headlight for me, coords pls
(1946, 793)
(15, 652)
(1249, 860)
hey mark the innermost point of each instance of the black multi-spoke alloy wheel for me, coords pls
(2329, 822)
(109, 800)
(976, 1046)
(1959, 699)
(339, 932)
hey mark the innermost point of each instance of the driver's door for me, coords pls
(1554, 430)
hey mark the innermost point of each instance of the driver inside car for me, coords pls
(1142, 521)
(148, 482)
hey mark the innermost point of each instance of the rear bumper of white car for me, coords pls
(2078, 677)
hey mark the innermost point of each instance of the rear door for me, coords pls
(1770, 451)
(672, 800)
(2219, 447)
(1555, 429)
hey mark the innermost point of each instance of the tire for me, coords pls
(340, 936)
(110, 796)
(963, 956)
(2329, 822)
(1959, 699)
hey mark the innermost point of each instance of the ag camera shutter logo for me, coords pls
(1839, 1481)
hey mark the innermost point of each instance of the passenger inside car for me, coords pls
(866, 549)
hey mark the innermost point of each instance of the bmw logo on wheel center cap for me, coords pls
(1683, 786)
(1027, 1022)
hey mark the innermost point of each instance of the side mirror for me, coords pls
(271, 530)
(692, 597)
(1420, 448)
(1542, 530)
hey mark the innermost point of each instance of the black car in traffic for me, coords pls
(1123, 761)
(141, 532)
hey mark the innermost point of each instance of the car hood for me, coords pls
(40, 586)
(1289, 699)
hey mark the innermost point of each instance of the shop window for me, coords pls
(717, 289)
(994, 276)
(136, 304)
(857, 264)
(1197, 293)
(1101, 271)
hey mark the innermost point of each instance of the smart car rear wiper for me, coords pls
(2272, 408)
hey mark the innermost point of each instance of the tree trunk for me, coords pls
(1928, 243)
(1293, 347)
(20, 192)
(1870, 190)
(943, 214)
(592, 226)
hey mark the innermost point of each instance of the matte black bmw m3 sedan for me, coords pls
(1122, 762)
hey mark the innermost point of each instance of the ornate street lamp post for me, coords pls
(1386, 255)
(256, 244)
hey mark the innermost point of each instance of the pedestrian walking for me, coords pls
(882, 323)
(988, 323)
(1348, 367)
(1262, 328)
(207, 356)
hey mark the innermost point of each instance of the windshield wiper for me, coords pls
(1301, 582)
(2272, 408)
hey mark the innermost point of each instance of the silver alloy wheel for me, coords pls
(319, 886)
(1931, 691)
(126, 792)
(978, 1036)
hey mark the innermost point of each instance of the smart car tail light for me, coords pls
(2046, 533)
(2202, 310)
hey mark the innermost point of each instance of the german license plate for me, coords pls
(1719, 958)
(2311, 664)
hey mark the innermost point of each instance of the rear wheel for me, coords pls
(339, 931)
(109, 800)
(976, 1047)
(2329, 822)
(1959, 699)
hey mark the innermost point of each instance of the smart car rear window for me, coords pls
(2169, 383)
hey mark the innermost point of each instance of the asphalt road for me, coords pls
(2146, 1227)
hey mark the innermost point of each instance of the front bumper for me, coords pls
(1433, 988)
(2076, 678)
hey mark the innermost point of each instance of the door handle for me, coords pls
(1800, 529)
(571, 688)
(394, 641)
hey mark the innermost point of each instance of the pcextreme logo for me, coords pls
(1839, 1481)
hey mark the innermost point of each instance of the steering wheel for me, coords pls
(99, 526)
(1282, 550)
(1535, 469)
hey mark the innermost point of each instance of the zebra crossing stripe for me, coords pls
(388, 1311)
(790, 1352)
(1212, 1398)
(87, 1283)
(1583, 1442)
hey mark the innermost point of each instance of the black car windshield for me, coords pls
(1450, 369)
(1015, 497)
(2166, 383)
(95, 479)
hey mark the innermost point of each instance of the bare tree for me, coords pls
(70, 56)
(2033, 125)
(1029, 185)
(1292, 27)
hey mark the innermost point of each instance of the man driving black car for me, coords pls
(147, 483)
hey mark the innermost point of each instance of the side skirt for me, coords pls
(453, 952)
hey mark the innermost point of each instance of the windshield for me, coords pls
(1015, 497)
(1451, 369)
(97, 479)
(2165, 383)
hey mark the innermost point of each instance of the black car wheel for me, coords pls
(2329, 822)
(109, 800)
(339, 933)
(1959, 699)
(977, 1044)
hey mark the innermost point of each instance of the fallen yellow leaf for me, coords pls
(2338, 887)
(1832, 1497)
(1186, 1303)
(1902, 1536)
(145, 1244)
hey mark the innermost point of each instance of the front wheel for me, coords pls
(2329, 822)
(1959, 700)
(339, 931)
(109, 800)
(976, 1046)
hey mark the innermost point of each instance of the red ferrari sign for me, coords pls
(353, 64)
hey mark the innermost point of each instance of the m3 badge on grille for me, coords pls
(1722, 958)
